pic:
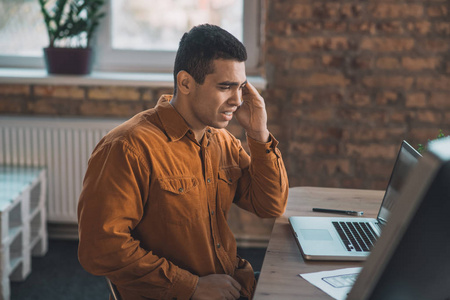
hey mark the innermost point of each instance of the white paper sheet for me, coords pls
(336, 283)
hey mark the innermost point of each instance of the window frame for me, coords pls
(108, 60)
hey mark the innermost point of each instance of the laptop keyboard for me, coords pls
(357, 236)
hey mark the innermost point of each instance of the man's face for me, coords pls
(214, 102)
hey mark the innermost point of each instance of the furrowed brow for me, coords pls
(228, 83)
(232, 83)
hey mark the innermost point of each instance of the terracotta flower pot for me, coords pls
(75, 61)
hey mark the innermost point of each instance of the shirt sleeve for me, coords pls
(115, 189)
(263, 187)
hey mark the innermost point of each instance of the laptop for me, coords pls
(349, 238)
(410, 260)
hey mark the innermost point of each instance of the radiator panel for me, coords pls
(63, 146)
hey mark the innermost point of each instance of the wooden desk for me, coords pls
(283, 261)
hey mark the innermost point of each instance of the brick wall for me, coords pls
(351, 79)
(101, 101)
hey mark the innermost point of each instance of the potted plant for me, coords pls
(421, 148)
(70, 27)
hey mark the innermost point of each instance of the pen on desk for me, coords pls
(337, 211)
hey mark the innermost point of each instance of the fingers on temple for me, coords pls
(250, 89)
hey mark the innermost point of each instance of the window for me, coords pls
(135, 35)
(136, 25)
(22, 33)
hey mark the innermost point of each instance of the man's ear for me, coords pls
(185, 82)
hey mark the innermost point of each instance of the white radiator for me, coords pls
(63, 146)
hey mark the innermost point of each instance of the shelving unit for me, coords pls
(23, 231)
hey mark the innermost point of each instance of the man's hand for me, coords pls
(252, 114)
(217, 286)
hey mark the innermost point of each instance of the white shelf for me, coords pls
(22, 222)
(14, 262)
(13, 233)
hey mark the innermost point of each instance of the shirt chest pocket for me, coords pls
(179, 202)
(227, 184)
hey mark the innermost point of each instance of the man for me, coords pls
(153, 210)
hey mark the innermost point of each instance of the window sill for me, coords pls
(40, 76)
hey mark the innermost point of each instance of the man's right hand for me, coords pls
(217, 286)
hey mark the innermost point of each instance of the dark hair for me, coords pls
(203, 44)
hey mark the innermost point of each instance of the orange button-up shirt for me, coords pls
(153, 209)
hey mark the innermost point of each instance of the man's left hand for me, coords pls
(252, 114)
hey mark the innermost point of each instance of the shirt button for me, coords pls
(181, 190)
(212, 212)
(218, 245)
(208, 180)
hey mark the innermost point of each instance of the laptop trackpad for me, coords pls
(316, 234)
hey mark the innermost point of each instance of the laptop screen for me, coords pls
(407, 158)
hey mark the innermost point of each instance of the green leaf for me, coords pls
(69, 19)
(423, 148)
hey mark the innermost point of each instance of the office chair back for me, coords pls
(113, 290)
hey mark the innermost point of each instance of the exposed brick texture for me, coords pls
(347, 81)
(352, 79)
(94, 101)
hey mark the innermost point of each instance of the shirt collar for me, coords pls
(174, 124)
